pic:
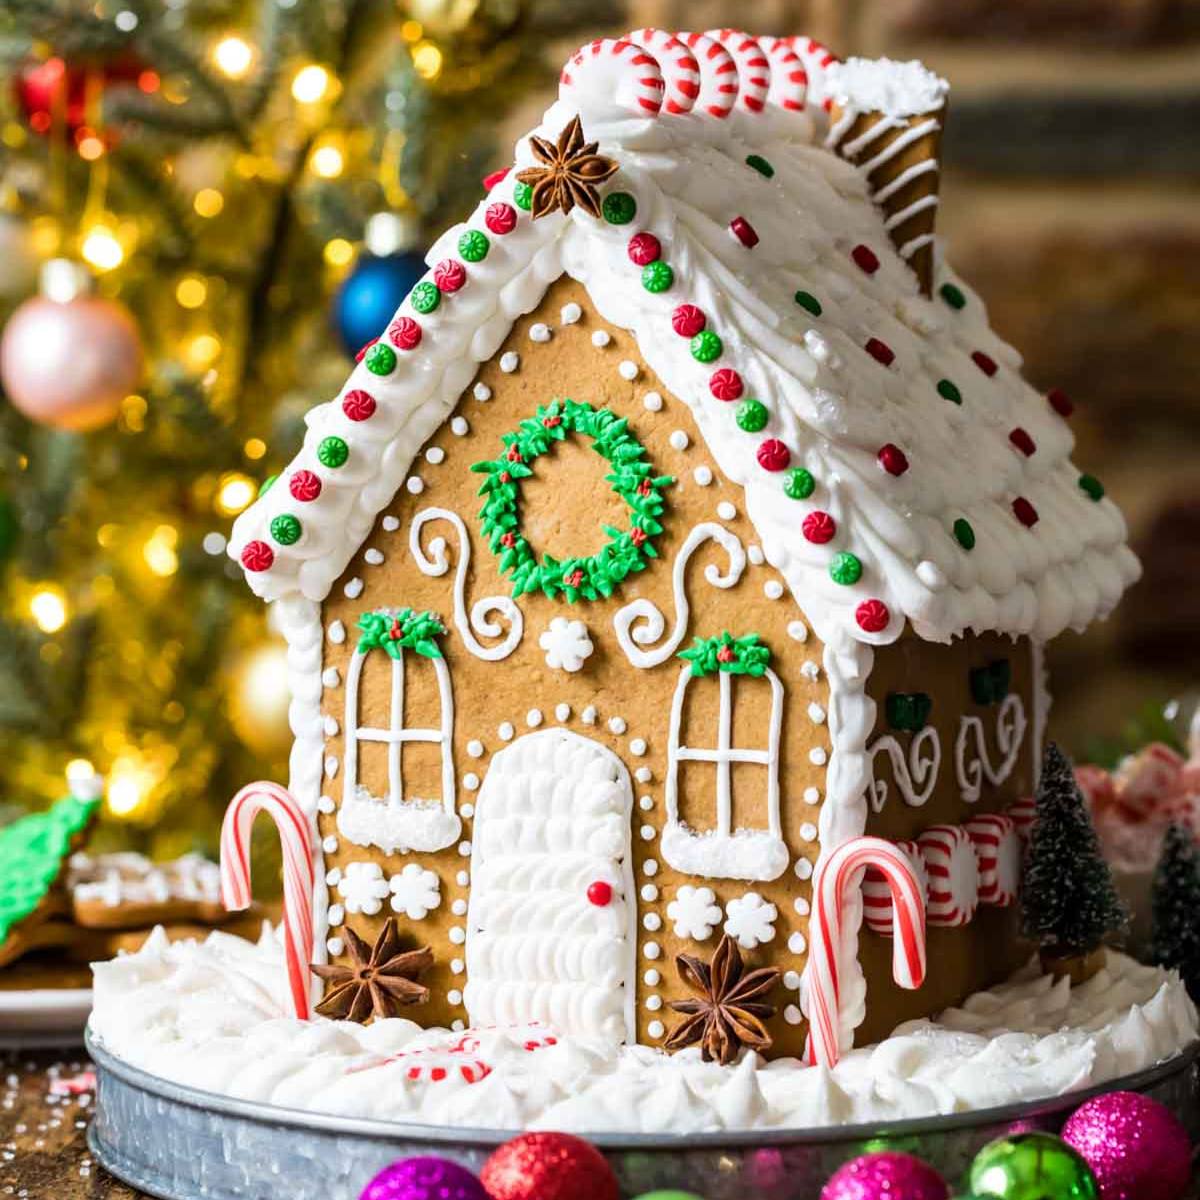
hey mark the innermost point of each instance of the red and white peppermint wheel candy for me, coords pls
(998, 853)
(718, 75)
(789, 79)
(817, 60)
(436, 1064)
(949, 857)
(1022, 814)
(609, 73)
(680, 70)
(877, 891)
(753, 69)
(532, 1036)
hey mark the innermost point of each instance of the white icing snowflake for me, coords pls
(416, 892)
(363, 887)
(566, 644)
(695, 912)
(750, 920)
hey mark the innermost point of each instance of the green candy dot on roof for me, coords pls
(800, 484)
(964, 535)
(760, 164)
(333, 452)
(32, 852)
(619, 208)
(808, 301)
(751, 415)
(706, 346)
(474, 245)
(1091, 485)
(845, 569)
(948, 391)
(380, 359)
(265, 486)
(523, 196)
(285, 529)
(657, 276)
(425, 297)
(952, 295)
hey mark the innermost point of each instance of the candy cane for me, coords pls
(953, 873)
(877, 893)
(789, 79)
(998, 851)
(837, 878)
(718, 75)
(617, 71)
(753, 69)
(295, 836)
(680, 70)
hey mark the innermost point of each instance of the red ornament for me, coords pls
(726, 384)
(54, 93)
(305, 485)
(773, 455)
(880, 351)
(500, 218)
(362, 350)
(1025, 512)
(548, 1166)
(744, 232)
(872, 616)
(257, 556)
(687, 320)
(1060, 402)
(405, 333)
(644, 248)
(1022, 441)
(892, 459)
(984, 362)
(358, 405)
(449, 275)
(819, 527)
(599, 893)
(495, 177)
(865, 258)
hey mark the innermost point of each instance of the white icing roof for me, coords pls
(831, 403)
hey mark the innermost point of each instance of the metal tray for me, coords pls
(178, 1143)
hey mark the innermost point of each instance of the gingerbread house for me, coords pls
(686, 524)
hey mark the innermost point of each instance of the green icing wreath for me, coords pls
(735, 656)
(632, 478)
(400, 629)
(32, 852)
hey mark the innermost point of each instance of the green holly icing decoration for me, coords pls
(523, 196)
(952, 295)
(619, 208)
(425, 297)
(333, 452)
(395, 630)
(32, 852)
(285, 529)
(632, 478)
(706, 346)
(990, 684)
(380, 359)
(948, 391)
(808, 301)
(845, 569)
(908, 711)
(735, 656)
(760, 164)
(265, 486)
(800, 483)
(657, 276)
(474, 245)
(964, 534)
(1092, 486)
(751, 415)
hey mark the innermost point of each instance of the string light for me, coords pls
(327, 161)
(89, 146)
(159, 551)
(202, 350)
(412, 31)
(208, 202)
(338, 252)
(101, 248)
(79, 769)
(48, 607)
(254, 448)
(130, 780)
(233, 56)
(310, 84)
(191, 291)
(427, 60)
(234, 492)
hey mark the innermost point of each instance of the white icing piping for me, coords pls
(971, 769)
(916, 774)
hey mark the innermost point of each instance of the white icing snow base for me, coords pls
(213, 1015)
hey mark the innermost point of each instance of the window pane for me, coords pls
(697, 796)
(751, 711)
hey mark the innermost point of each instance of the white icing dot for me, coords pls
(467, 810)
(601, 338)
(616, 725)
(754, 552)
(454, 996)
(651, 950)
(458, 935)
(459, 908)
(570, 313)
(643, 774)
(792, 1015)
(801, 906)
(510, 360)
(646, 803)
(335, 945)
(803, 868)
(533, 718)
(459, 426)
(791, 980)
(797, 944)
(588, 716)
(652, 978)
(703, 476)
(333, 876)
(353, 588)
(331, 765)
(649, 892)
(373, 557)
(808, 832)
(772, 589)
(562, 712)
(810, 670)
(505, 732)
(726, 511)
(816, 714)
(647, 832)
(654, 1003)
(470, 781)
(457, 966)
(325, 804)
(539, 331)
(817, 756)
(331, 727)
(336, 914)
(679, 440)
(650, 867)
(637, 747)
(812, 795)
(652, 922)
(482, 392)
(475, 748)
(655, 1029)
(390, 523)
(435, 455)
(652, 402)
(464, 848)
(628, 369)
(462, 878)
(414, 485)
(337, 633)
(330, 677)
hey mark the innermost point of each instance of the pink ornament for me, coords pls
(1136, 1147)
(69, 365)
(889, 1175)
(422, 1179)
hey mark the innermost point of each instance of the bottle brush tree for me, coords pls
(1175, 908)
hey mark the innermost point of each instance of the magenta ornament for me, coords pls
(888, 1175)
(426, 1178)
(1137, 1148)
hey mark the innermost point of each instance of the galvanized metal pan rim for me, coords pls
(271, 1114)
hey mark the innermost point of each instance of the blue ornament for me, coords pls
(372, 292)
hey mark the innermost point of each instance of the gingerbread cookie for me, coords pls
(128, 891)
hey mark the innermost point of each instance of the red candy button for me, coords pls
(600, 893)
(644, 248)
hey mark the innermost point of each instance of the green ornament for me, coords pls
(1031, 1166)
(760, 164)
(953, 296)
(380, 359)
(800, 484)
(332, 452)
(619, 208)
(286, 529)
(1092, 486)
(474, 246)
(523, 196)
(808, 301)
(657, 276)
(948, 391)
(845, 569)
(265, 486)
(706, 346)
(425, 297)
(964, 534)
(751, 415)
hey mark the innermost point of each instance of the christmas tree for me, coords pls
(228, 201)
(1175, 908)
(1068, 901)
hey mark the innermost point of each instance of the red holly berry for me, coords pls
(892, 459)
(818, 527)
(495, 177)
(637, 536)
(880, 351)
(773, 455)
(984, 362)
(865, 258)
(687, 320)
(1022, 441)
(396, 632)
(514, 454)
(506, 477)
(551, 422)
(257, 556)
(1060, 402)
(508, 540)
(1025, 512)
(872, 616)
(725, 654)
(449, 275)
(573, 578)
(305, 485)
(358, 405)
(500, 218)
(405, 333)
(726, 384)
(362, 350)
(744, 232)
(600, 893)
(644, 248)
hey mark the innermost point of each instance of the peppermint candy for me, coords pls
(953, 872)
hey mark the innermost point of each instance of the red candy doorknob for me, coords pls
(548, 1166)
(599, 893)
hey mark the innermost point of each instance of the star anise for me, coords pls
(728, 1012)
(379, 981)
(571, 176)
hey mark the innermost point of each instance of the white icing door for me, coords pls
(543, 944)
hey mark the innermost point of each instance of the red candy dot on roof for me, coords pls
(305, 485)
(449, 275)
(726, 384)
(1022, 441)
(500, 218)
(819, 527)
(490, 181)
(362, 350)
(687, 320)
(1060, 402)
(257, 556)
(773, 455)
(984, 362)
(872, 616)
(892, 459)
(644, 248)
(880, 351)
(744, 232)
(1025, 512)
(358, 405)
(865, 258)
(600, 893)
(405, 333)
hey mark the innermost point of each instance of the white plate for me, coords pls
(44, 1016)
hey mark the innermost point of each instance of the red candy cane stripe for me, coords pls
(998, 853)
(753, 69)
(789, 79)
(1022, 814)
(877, 894)
(681, 71)
(617, 69)
(817, 60)
(718, 75)
(953, 873)
(838, 877)
(295, 836)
